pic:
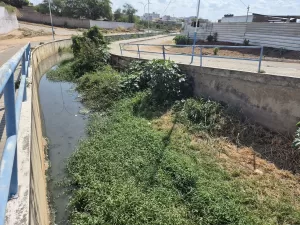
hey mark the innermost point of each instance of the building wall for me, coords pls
(276, 35)
(28, 14)
(110, 24)
(8, 21)
(270, 100)
(237, 19)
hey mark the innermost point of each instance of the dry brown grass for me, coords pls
(244, 164)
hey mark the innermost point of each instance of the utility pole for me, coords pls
(247, 13)
(51, 19)
(195, 33)
(148, 16)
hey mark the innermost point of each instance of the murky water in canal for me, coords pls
(64, 126)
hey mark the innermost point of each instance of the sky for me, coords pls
(211, 9)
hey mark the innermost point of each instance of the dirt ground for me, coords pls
(39, 33)
(270, 54)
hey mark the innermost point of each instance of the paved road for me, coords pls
(276, 68)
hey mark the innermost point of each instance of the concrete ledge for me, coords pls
(270, 100)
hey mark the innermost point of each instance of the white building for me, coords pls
(237, 19)
(150, 16)
(166, 18)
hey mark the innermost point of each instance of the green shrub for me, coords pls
(9, 8)
(93, 35)
(200, 114)
(63, 72)
(90, 52)
(246, 42)
(216, 50)
(90, 58)
(100, 89)
(167, 83)
(296, 142)
(181, 40)
(162, 77)
(215, 39)
(210, 38)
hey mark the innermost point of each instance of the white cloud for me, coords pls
(213, 9)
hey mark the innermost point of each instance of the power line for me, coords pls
(167, 6)
(243, 3)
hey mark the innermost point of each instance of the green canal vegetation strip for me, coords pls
(156, 155)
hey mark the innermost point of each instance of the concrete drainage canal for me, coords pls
(64, 125)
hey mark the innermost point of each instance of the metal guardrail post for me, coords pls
(24, 72)
(200, 56)
(121, 48)
(164, 53)
(260, 58)
(139, 51)
(11, 129)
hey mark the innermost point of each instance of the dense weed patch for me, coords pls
(131, 171)
(127, 172)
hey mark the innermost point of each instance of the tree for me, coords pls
(118, 14)
(17, 3)
(90, 9)
(129, 11)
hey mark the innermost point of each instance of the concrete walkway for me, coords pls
(275, 68)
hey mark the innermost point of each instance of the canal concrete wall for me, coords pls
(270, 100)
(39, 208)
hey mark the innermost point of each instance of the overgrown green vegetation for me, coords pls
(15, 3)
(126, 172)
(216, 50)
(137, 167)
(210, 38)
(89, 9)
(127, 14)
(246, 42)
(9, 8)
(181, 40)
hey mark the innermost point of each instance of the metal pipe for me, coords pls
(139, 51)
(11, 127)
(200, 56)
(260, 58)
(20, 98)
(247, 13)
(6, 173)
(164, 53)
(121, 48)
(7, 68)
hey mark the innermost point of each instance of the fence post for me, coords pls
(11, 129)
(201, 56)
(24, 73)
(121, 48)
(28, 55)
(164, 53)
(260, 58)
(139, 51)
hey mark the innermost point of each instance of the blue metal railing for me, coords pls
(201, 47)
(13, 105)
